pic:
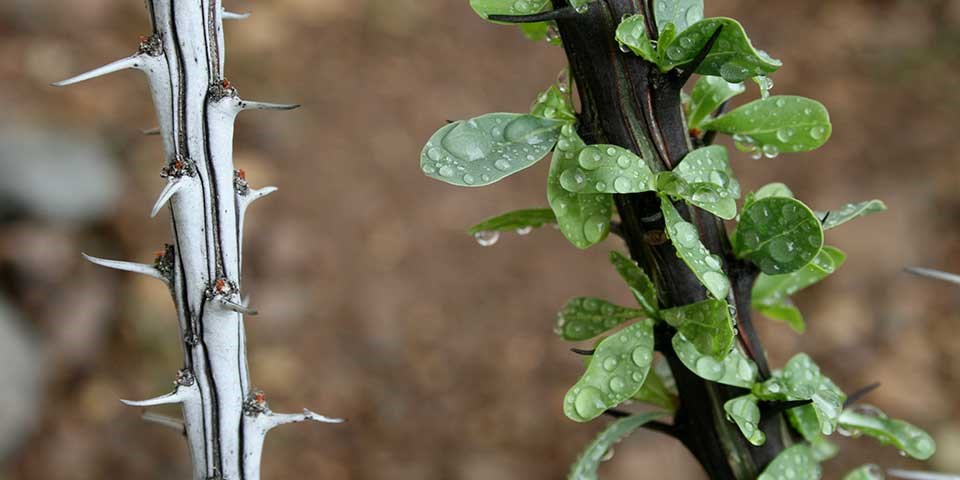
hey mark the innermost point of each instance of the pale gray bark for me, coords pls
(224, 418)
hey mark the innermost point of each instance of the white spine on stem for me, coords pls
(225, 420)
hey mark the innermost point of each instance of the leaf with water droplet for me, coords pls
(801, 379)
(487, 148)
(707, 196)
(681, 13)
(866, 472)
(735, 369)
(732, 56)
(746, 414)
(583, 218)
(586, 466)
(775, 189)
(709, 165)
(794, 463)
(553, 104)
(515, 220)
(616, 372)
(607, 169)
(686, 241)
(771, 293)
(656, 392)
(638, 281)
(850, 211)
(536, 31)
(485, 8)
(788, 123)
(632, 33)
(706, 324)
(778, 234)
(583, 318)
(897, 433)
(707, 96)
(805, 421)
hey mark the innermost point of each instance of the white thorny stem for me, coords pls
(225, 420)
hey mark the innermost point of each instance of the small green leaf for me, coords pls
(732, 56)
(775, 189)
(707, 96)
(771, 293)
(866, 472)
(745, 412)
(704, 195)
(901, 435)
(823, 449)
(655, 392)
(777, 124)
(583, 318)
(638, 281)
(681, 13)
(785, 311)
(617, 370)
(632, 32)
(535, 31)
(608, 169)
(583, 218)
(706, 324)
(487, 148)
(485, 8)
(794, 463)
(553, 104)
(736, 369)
(803, 381)
(586, 466)
(850, 211)
(515, 220)
(686, 241)
(780, 235)
(805, 421)
(709, 165)
(667, 33)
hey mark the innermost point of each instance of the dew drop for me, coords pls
(622, 185)
(817, 133)
(487, 238)
(709, 368)
(524, 230)
(588, 402)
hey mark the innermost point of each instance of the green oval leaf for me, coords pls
(801, 379)
(707, 96)
(780, 235)
(632, 33)
(775, 189)
(777, 124)
(655, 392)
(686, 241)
(709, 165)
(617, 370)
(583, 218)
(897, 433)
(586, 466)
(805, 421)
(485, 8)
(850, 211)
(607, 169)
(735, 369)
(515, 220)
(638, 281)
(794, 463)
(706, 324)
(732, 56)
(771, 293)
(746, 414)
(866, 472)
(704, 195)
(487, 148)
(681, 13)
(553, 104)
(583, 318)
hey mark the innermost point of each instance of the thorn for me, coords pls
(915, 475)
(246, 105)
(148, 270)
(174, 184)
(859, 394)
(770, 409)
(256, 194)
(236, 307)
(273, 420)
(558, 14)
(171, 398)
(580, 351)
(151, 131)
(825, 217)
(165, 421)
(686, 71)
(235, 16)
(122, 64)
(934, 274)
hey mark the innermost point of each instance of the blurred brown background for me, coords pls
(376, 306)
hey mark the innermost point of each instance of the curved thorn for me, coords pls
(235, 16)
(171, 398)
(142, 268)
(236, 307)
(151, 131)
(558, 14)
(173, 186)
(273, 420)
(122, 64)
(262, 192)
(934, 274)
(584, 352)
(248, 105)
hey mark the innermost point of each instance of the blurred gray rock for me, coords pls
(56, 176)
(22, 371)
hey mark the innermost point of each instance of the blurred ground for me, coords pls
(375, 304)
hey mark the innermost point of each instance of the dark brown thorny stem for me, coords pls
(627, 101)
